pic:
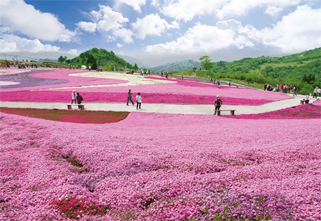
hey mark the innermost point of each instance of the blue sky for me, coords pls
(157, 32)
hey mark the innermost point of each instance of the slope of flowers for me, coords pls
(91, 117)
(160, 167)
(63, 96)
(101, 87)
(63, 78)
(297, 112)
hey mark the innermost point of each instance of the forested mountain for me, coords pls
(100, 58)
(178, 66)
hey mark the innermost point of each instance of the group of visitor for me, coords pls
(71, 67)
(26, 65)
(144, 72)
(6, 63)
(216, 81)
(283, 88)
(166, 74)
(76, 97)
(138, 99)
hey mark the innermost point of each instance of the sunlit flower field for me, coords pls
(56, 86)
(152, 166)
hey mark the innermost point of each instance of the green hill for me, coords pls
(287, 68)
(302, 70)
(103, 58)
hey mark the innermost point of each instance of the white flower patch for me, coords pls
(14, 71)
(4, 83)
(132, 79)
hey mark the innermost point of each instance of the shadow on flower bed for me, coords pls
(298, 112)
(93, 117)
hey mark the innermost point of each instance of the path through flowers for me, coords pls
(152, 166)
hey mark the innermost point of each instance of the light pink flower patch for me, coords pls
(161, 167)
(317, 102)
(65, 75)
(2, 83)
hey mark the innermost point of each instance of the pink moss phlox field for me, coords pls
(161, 167)
(74, 81)
(63, 96)
(305, 111)
(180, 92)
(317, 102)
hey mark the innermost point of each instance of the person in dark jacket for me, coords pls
(79, 100)
(217, 103)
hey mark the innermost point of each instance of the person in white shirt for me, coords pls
(315, 92)
(138, 101)
(73, 97)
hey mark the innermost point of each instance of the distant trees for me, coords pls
(62, 59)
(91, 61)
(206, 62)
(310, 79)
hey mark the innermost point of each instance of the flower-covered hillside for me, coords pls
(160, 167)
(113, 87)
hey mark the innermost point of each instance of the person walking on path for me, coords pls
(294, 91)
(73, 97)
(217, 103)
(306, 99)
(315, 92)
(79, 100)
(138, 101)
(129, 97)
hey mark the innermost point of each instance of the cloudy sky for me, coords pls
(161, 31)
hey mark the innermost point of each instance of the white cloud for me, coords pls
(187, 9)
(203, 38)
(119, 45)
(155, 3)
(152, 25)
(124, 34)
(103, 20)
(10, 43)
(109, 19)
(73, 51)
(109, 22)
(136, 4)
(299, 30)
(25, 19)
(273, 10)
(87, 26)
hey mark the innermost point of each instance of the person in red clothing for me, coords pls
(129, 97)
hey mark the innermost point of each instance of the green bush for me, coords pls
(306, 89)
(249, 79)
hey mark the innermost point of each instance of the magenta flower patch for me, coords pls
(298, 112)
